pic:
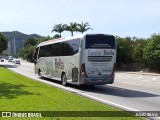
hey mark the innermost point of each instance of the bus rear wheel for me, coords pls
(64, 79)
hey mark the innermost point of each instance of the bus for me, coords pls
(80, 60)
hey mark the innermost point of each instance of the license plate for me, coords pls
(99, 80)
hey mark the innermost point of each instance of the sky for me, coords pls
(134, 18)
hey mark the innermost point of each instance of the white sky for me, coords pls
(140, 18)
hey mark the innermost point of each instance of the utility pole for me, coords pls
(15, 46)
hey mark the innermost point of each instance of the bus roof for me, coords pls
(50, 41)
(58, 40)
(65, 39)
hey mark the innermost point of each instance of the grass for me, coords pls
(19, 93)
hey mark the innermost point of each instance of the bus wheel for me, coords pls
(39, 73)
(64, 79)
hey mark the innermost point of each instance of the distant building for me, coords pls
(15, 45)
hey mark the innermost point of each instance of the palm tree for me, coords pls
(83, 27)
(59, 28)
(72, 27)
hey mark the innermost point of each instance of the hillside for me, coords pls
(16, 34)
(17, 40)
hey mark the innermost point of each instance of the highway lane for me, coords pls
(132, 92)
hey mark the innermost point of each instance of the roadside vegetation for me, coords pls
(143, 52)
(19, 93)
(3, 42)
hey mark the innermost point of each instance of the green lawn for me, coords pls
(19, 93)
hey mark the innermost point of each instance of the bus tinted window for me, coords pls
(54, 49)
(69, 48)
(66, 48)
(100, 42)
(75, 45)
(42, 51)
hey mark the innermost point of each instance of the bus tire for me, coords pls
(64, 79)
(39, 74)
(111, 81)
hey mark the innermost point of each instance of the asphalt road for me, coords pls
(132, 91)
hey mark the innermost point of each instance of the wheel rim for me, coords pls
(64, 80)
(40, 75)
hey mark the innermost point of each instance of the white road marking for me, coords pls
(108, 102)
(119, 75)
(131, 83)
(141, 84)
(111, 103)
(154, 78)
(147, 80)
(128, 76)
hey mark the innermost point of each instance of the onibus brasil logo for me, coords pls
(21, 114)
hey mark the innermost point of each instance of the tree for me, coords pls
(72, 27)
(27, 52)
(124, 50)
(59, 28)
(152, 51)
(56, 36)
(30, 46)
(138, 49)
(3, 43)
(31, 41)
(83, 27)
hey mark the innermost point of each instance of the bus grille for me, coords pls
(99, 58)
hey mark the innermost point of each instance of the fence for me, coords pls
(133, 67)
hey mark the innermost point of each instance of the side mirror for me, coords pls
(34, 60)
(34, 56)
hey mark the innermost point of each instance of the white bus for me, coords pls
(81, 60)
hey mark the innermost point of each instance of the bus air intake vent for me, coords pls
(99, 58)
